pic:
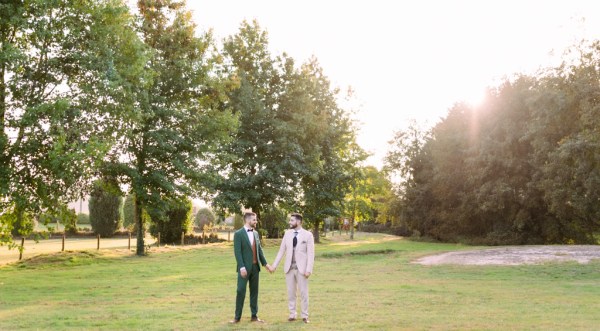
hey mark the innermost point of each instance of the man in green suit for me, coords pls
(248, 253)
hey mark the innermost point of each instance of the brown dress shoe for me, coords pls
(305, 320)
(291, 319)
(256, 319)
(234, 321)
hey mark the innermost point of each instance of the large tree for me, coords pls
(169, 138)
(64, 68)
(264, 157)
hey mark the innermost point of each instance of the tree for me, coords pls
(104, 205)
(63, 69)
(169, 137)
(204, 217)
(327, 137)
(265, 159)
(520, 169)
(173, 221)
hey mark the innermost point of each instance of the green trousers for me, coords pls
(240, 297)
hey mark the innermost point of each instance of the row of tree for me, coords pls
(91, 91)
(522, 168)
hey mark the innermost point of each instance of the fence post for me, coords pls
(98, 245)
(228, 235)
(182, 239)
(203, 237)
(63, 243)
(158, 242)
(129, 242)
(22, 248)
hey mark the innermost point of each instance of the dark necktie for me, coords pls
(295, 238)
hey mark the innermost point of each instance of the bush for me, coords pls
(238, 221)
(129, 213)
(105, 204)
(274, 221)
(22, 224)
(171, 222)
(83, 218)
(68, 217)
(204, 217)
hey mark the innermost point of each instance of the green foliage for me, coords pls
(170, 135)
(170, 223)
(104, 205)
(520, 169)
(274, 222)
(204, 217)
(238, 221)
(83, 218)
(292, 146)
(22, 224)
(128, 212)
(69, 219)
(62, 67)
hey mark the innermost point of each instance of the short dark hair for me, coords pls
(248, 215)
(297, 216)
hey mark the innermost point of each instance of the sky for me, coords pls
(411, 60)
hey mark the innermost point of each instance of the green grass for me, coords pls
(368, 284)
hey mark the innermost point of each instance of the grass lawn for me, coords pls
(366, 284)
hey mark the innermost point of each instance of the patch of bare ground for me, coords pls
(516, 255)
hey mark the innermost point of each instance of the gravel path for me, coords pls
(515, 255)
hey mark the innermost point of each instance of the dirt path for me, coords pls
(515, 255)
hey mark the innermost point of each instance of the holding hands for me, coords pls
(270, 268)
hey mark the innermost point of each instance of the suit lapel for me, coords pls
(245, 235)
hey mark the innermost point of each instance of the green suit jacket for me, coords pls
(243, 250)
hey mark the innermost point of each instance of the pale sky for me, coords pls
(411, 59)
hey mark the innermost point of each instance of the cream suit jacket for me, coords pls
(305, 251)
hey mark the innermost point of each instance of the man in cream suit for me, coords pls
(299, 248)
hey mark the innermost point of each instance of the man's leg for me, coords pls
(290, 281)
(303, 287)
(240, 296)
(253, 277)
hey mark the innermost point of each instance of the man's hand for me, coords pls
(307, 274)
(270, 268)
(243, 272)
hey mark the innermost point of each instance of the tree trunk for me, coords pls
(139, 221)
(316, 232)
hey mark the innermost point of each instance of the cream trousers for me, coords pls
(297, 282)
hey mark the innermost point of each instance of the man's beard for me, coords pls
(293, 226)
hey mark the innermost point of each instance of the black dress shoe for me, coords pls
(234, 321)
(256, 319)
(305, 320)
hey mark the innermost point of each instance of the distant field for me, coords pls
(366, 284)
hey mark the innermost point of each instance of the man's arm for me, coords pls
(280, 253)
(237, 251)
(310, 255)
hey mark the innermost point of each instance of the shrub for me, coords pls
(274, 221)
(68, 218)
(129, 213)
(83, 218)
(105, 203)
(171, 222)
(204, 217)
(22, 223)
(238, 221)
